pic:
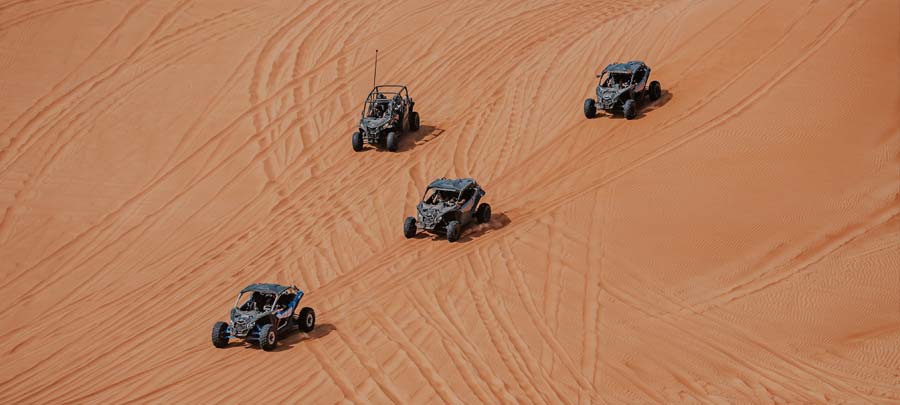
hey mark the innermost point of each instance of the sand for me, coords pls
(738, 242)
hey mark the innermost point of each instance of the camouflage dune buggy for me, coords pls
(622, 87)
(387, 112)
(447, 206)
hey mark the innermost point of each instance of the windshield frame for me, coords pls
(458, 193)
(238, 303)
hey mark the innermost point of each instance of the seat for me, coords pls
(639, 76)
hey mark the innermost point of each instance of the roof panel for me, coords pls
(626, 67)
(266, 288)
(451, 184)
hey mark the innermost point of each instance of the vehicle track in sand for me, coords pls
(734, 243)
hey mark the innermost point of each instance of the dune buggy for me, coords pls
(387, 112)
(447, 206)
(267, 313)
(622, 86)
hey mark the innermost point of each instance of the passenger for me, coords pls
(378, 110)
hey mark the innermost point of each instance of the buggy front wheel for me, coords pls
(220, 334)
(453, 231)
(307, 320)
(629, 109)
(409, 227)
(392, 141)
(590, 108)
(268, 337)
(357, 142)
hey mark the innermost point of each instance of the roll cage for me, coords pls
(624, 74)
(382, 95)
(265, 300)
(446, 194)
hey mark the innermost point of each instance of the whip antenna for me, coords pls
(375, 75)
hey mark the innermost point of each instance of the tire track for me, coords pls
(418, 358)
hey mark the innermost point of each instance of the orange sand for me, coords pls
(738, 242)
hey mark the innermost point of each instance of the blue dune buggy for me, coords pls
(267, 313)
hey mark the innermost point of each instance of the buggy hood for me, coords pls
(375, 123)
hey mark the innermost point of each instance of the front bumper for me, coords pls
(242, 327)
(429, 220)
(246, 334)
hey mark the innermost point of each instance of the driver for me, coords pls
(377, 110)
(262, 301)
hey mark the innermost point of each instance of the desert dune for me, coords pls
(737, 242)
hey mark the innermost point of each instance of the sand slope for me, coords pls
(738, 242)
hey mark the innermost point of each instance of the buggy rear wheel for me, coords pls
(307, 320)
(268, 337)
(590, 108)
(409, 227)
(453, 231)
(220, 334)
(483, 213)
(629, 109)
(655, 90)
(414, 121)
(392, 141)
(357, 142)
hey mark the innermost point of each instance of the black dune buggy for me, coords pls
(387, 112)
(265, 315)
(622, 87)
(447, 206)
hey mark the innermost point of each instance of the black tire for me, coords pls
(590, 108)
(483, 213)
(357, 142)
(392, 141)
(409, 227)
(306, 322)
(629, 109)
(655, 90)
(414, 121)
(220, 334)
(268, 337)
(453, 231)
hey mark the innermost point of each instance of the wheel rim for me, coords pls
(270, 338)
(309, 321)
